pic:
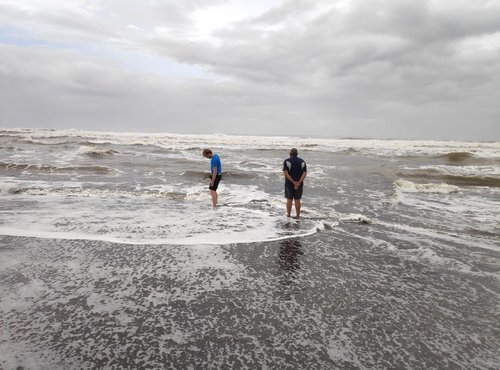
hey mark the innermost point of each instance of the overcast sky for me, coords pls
(350, 68)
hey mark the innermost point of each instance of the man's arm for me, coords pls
(287, 176)
(301, 180)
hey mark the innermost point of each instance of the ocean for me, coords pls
(111, 256)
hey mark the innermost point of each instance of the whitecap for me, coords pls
(94, 151)
(406, 186)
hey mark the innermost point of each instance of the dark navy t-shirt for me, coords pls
(295, 167)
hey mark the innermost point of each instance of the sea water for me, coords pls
(394, 263)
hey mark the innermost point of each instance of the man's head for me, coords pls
(294, 152)
(207, 153)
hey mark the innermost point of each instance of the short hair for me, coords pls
(206, 152)
(294, 152)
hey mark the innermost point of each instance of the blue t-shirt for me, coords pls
(215, 161)
(295, 167)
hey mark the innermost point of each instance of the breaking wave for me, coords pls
(15, 188)
(411, 187)
(66, 141)
(350, 151)
(468, 158)
(95, 152)
(456, 152)
(453, 179)
(457, 156)
(49, 168)
(11, 149)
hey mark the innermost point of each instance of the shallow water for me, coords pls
(111, 256)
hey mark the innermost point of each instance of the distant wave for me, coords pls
(457, 156)
(493, 182)
(350, 151)
(411, 187)
(252, 164)
(13, 188)
(49, 168)
(9, 132)
(196, 174)
(460, 180)
(11, 149)
(240, 175)
(6, 188)
(95, 152)
(455, 151)
(67, 141)
(470, 159)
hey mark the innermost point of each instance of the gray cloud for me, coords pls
(375, 69)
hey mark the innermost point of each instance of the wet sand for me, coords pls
(327, 301)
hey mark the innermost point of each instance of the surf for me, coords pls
(38, 167)
(170, 216)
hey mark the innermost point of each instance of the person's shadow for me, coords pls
(289, 264)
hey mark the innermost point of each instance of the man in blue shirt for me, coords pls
(295, 171)
(215, 174)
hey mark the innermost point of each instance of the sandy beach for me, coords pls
(111, 256)
(328, 301)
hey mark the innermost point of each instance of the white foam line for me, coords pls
(427, 233)
(78, 236)
(405, 186)
(437, 235)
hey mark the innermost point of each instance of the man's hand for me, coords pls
(296, 185)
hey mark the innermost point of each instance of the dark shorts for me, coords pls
(291, 193)
(216, 183)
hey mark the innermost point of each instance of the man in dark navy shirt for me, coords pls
(295, 171)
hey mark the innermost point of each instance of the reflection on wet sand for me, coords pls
(289, 255)
(289, 263)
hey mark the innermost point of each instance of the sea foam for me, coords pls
(411, 187)
(245, 215)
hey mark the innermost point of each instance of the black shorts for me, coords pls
(216, 183)
(291, 193)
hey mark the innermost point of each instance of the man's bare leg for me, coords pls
(214, 198)
(288, 207)
(297, 207)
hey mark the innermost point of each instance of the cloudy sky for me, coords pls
(348, 68)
